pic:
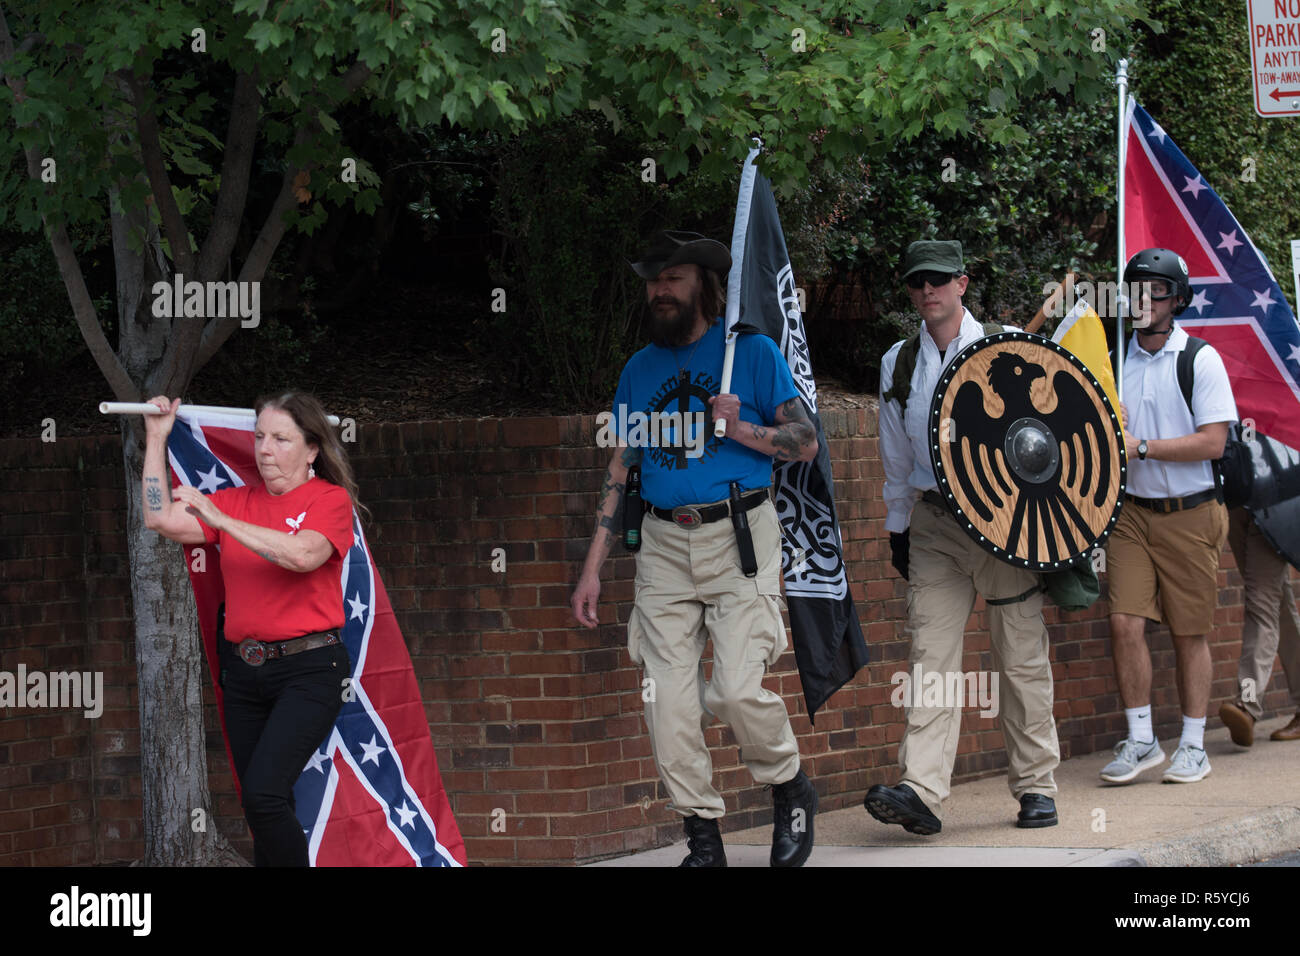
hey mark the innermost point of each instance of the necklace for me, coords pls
(683, 375)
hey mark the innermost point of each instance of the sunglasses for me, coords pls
(919, 280)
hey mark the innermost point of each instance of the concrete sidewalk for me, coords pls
(1248, 808)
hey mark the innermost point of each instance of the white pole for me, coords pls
(738, 233)
(144, 408)
(1121, 301)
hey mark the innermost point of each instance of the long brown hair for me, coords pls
(713, 295)
(309, 415)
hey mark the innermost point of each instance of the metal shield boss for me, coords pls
(1027, 450)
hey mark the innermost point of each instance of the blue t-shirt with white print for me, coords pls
(666, 413)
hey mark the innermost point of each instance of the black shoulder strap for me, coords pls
(1186, 379)
(1187, 367)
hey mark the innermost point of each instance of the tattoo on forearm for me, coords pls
(796, 432)
(608, 485)
(153, 494)
(786, 442)
(265, 554)
(758, 431)
(631, 456)
(611, 523)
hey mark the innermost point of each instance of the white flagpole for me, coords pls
(738, 233)
(1121, 301)
(144, 408)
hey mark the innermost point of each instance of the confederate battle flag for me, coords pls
(371, 795)
(1237, 305)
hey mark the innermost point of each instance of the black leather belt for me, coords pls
(934, 498)
(1170, 505)
(257, 653)
(692, 516)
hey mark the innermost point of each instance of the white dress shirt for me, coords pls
(904, 444)
(1156, 410)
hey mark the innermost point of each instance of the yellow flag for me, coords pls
(1082, 333)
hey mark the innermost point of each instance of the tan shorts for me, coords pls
(1165, 567)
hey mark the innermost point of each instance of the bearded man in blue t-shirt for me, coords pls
(690, 584)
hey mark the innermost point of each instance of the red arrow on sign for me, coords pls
(1278, 94)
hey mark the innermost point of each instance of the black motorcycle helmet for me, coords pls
(1161, 264)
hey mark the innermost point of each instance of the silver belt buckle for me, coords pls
(253, 653)
(687, 517)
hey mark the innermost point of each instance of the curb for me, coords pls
(1244, 840)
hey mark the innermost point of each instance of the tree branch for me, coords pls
(178, 235)
(241, 137)
(273, 229)
(83, 308)
(268, 239)
(176, 364)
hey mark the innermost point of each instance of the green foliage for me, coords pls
(38, 335)
(1025, 212)
(569, 204)
(831, 81)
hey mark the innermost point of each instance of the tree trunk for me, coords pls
(179, 824)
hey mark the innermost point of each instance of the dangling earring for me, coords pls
(311, 472)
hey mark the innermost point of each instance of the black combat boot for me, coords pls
(705, 843)
(794, 805)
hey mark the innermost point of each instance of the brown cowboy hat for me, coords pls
(672, 248)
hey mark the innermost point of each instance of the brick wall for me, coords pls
(530, 714)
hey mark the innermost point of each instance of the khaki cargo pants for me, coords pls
(947, 569)
(1272, 626)
(689, 587)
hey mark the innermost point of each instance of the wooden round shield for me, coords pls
(1027, 450)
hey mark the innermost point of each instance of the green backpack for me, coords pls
(1075, 588)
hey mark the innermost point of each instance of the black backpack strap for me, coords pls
(1187, 368)
(1187, 379)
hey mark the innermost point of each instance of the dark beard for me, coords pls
(674, 329)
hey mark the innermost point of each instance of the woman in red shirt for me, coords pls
(283, 662)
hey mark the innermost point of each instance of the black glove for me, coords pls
(899, 544)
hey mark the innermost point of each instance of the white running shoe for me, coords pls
(1189, 764)
(1131, 758)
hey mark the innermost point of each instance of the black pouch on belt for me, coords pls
(633, 509)
(744, 540)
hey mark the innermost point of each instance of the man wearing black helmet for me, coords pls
(1163, 556)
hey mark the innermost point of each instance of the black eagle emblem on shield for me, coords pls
(1027, 450)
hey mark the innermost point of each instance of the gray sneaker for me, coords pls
(1131, 758)
(1189, 764)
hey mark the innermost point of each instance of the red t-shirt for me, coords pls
(268, 602)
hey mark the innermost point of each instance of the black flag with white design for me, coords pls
(828, 642)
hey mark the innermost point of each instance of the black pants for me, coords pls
(276, 716)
